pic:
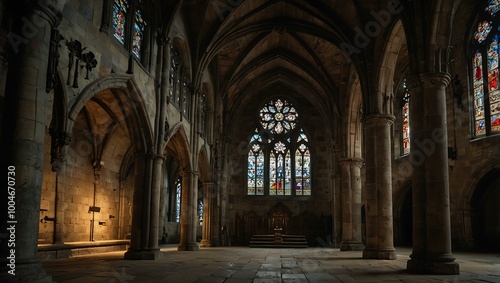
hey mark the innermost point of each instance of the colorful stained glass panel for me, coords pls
(138, 36)
(278, 116)
(120, 8)
(483, 29)
(493, 7)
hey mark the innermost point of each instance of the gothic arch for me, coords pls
(131, 101)
(177, 143)
(478, 207)
(403, 214)
(488, 166)
(204, 165)
(352, 118)
(180, 44)
(385, 77)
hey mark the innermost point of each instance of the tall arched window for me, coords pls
(178, 193)
(405, 121)
(279, 159)
(129, 25)
(484, 66)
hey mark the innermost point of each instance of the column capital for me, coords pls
(186, 173)
(354, 161)
(379, 119)
(428, 80)
(435, 80)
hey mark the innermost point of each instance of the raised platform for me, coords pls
(71, 249)
(287, 241)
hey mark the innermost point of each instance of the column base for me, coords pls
(379, 254)
(188, 247)
(352, 246)
(143, 255)
(204, 243)
(428, 266)
(29, 271)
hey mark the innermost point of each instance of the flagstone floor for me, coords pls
(243, 264)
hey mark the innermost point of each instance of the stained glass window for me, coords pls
(493, 7)
(138, 33)
(278, 117)
(176, 81)
(178, 191)
(302, 166)
(120, 8)
(485, 72)
(405, 115)
(129, 25)
(279, 164)
(256, 166)
(483, 29)
(200, 211)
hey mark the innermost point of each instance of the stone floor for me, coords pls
(242, 264)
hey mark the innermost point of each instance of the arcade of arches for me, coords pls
(362, 125)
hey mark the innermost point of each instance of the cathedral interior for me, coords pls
(358, 126)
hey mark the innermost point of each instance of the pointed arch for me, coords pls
(130, 99)
(204, 165)
(177, 143)
(352, 118)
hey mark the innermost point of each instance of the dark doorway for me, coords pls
(406, 220)
(485, 213)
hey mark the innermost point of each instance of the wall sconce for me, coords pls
(111, 216)
(94, 209)
(102, 223)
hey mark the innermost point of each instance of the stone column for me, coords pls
(59, 167)
(141, 246)
(188, 212)
(351, 204)
(207, 214)
(379, 226)
(154, 229)
(429, 155)
(357, 240)
(23, 133)
(345, 175)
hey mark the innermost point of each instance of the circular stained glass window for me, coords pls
(278, 116)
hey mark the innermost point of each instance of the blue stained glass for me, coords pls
(493, 7)
(178, 187)
(120, 8)
(138, 36)
(483, 29)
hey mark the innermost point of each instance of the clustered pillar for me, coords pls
(144, 236)
(23, 135)
(351, 204)
(206, 239)
(430, 184)
(188, 221)
(379, 225)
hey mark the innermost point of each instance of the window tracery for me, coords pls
(485, 74)
(279, 159)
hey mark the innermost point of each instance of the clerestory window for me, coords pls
(405, 119)
(279, 158)
(129, 26)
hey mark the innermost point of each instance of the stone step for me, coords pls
(287, 241)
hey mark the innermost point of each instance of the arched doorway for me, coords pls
(403, 217)
(485, 212)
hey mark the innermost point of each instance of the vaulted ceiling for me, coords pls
(258, 43)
